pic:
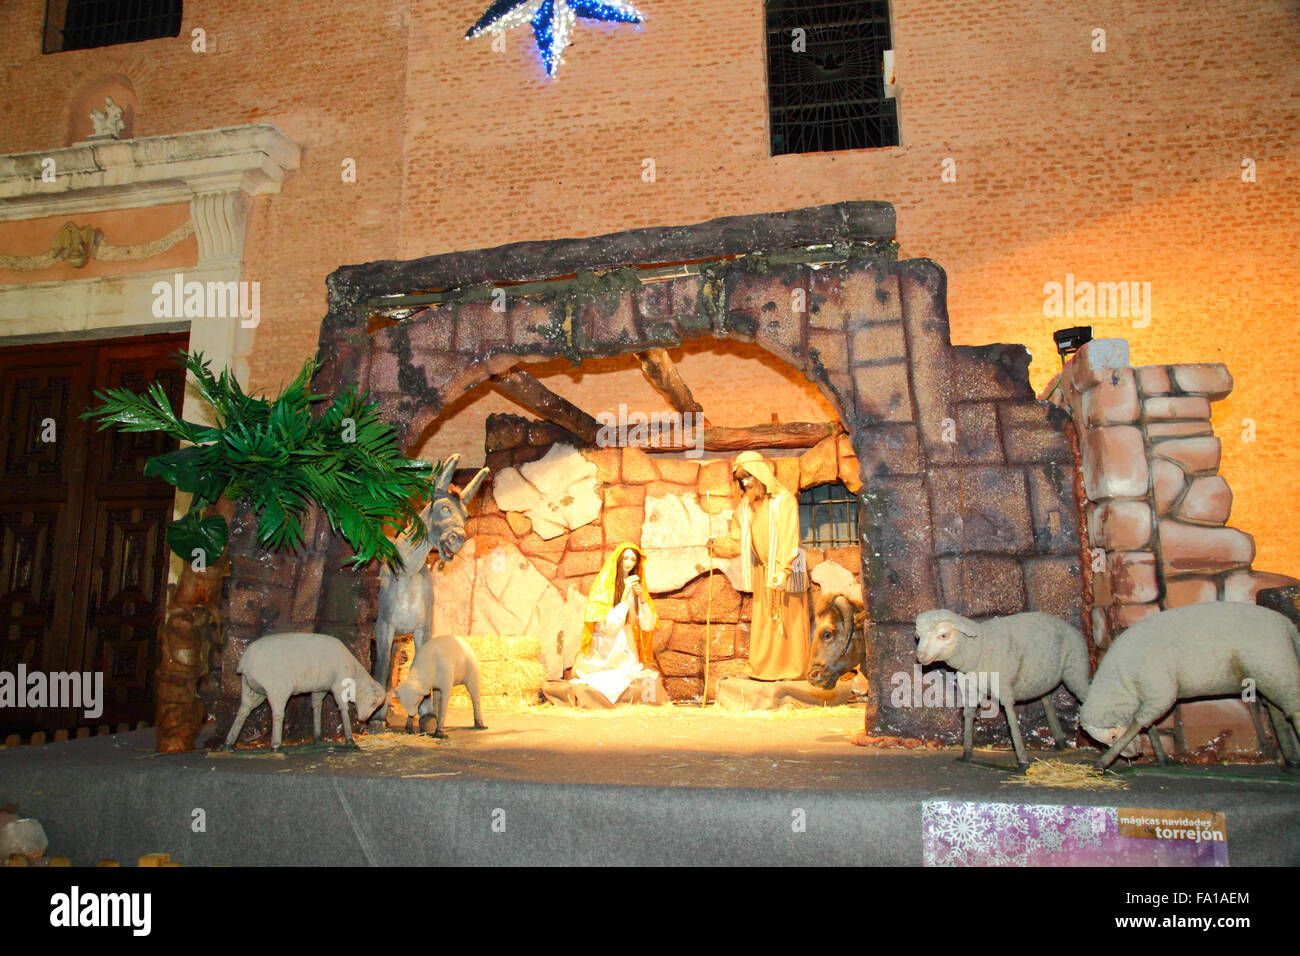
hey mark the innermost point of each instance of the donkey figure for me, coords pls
(839, 640)
(406, 596)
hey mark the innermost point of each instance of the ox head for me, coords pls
(940, 633)
(839, 640)
(447, 510)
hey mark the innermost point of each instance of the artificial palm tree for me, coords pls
(276, 457)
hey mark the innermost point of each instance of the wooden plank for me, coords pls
(663, 376)
(527, 391)
(757, 437)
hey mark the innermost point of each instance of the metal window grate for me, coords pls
(85, 24)
(829, 95)
(828, 517)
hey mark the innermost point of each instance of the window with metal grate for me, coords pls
(826, 76)
(85, 24)
(828, 517)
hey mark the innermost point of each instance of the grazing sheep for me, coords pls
(277, 666)
(440, 664)
(1201, 650)
(1028, 655)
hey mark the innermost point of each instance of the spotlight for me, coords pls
(1068, 341)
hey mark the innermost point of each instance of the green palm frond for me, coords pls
(279, 458)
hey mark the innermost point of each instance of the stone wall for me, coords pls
(967, 481)
(555, 510)
(1157, 509)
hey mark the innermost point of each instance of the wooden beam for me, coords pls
(662, 374)
(755, 437)
(788, 435)
(527, 391)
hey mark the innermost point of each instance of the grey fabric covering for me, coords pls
(112, 797)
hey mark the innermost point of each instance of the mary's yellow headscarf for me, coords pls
(604, 592)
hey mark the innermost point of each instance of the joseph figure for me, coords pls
(765, 534)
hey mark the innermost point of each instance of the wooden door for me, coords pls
(83, 558)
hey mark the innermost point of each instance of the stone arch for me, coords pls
(966, 476)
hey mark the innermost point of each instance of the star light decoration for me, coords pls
(553, 21)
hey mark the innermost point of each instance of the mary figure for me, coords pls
(617, 638)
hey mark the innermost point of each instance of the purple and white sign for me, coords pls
(1011, 834)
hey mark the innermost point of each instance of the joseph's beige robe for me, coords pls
(779, 634)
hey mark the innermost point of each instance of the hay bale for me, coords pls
(517, 678)
(505, 647)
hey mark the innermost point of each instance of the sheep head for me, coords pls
(1107, 722)
(939, 634)
(370, 694)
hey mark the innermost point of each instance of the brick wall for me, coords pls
(1117, 165)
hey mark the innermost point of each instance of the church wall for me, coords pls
(1119, 165)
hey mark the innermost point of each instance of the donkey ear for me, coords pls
(472, 488)
(448, 469)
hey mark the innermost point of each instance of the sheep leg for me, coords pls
(443, 694)
(277, 721)
(471, 687)
(1109, 756)
(1256, 709)
(341, 698)
(317, 698)
(1157, 747)
(249, 701)
(1016, 741)
(1286, 740)
(1054, 723)
(967, 733)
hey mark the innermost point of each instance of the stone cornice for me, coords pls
(149, 171)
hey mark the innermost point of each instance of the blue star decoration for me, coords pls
(553, 21)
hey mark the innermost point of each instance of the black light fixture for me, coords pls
(1068, 341)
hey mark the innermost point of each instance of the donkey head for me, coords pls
(446, 512)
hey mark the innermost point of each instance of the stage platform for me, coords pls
(545, 785)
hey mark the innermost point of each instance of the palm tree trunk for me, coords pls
(191, 628)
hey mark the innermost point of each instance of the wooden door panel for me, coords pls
(28, 594)
(128, 582)
(83, 556)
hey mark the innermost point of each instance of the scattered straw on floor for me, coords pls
(1070, 776)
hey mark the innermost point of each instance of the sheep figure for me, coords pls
(1201, 650)
(439, 665)
(1025, 657)
(277, 666)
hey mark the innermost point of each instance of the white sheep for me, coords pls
(1201, 650)
(1024, 656)
(277, 666)
(439, 665)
